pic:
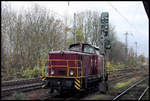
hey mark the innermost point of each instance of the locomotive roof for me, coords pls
(84, 44)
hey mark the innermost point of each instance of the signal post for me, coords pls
(105, 43)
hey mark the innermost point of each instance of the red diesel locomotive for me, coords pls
(78, 68)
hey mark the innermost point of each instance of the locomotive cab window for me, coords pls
(97, 52)
(75, 48)
(88, 49)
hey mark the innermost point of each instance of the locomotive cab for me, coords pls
(77, 68)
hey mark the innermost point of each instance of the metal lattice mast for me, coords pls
(104, 34)
(136, 52)
(74, 28)
(126, 48)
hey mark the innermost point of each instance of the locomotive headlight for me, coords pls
(71, 72)
(52, 72)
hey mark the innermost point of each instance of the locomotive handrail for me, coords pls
(67, 65)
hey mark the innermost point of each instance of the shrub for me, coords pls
(32, 73)
(120, 65)
(36, 72)
(19, 96)
(28, 73)
(110, 66)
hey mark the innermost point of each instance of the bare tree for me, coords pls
(30, 36)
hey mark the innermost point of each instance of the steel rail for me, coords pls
(118, 96)
(143, 93)
(72, 97)
(120, 78)
(20, 82)
(22, 88)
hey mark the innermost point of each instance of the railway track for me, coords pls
(91, 91)
(29, 85)
(111, 82)
(142, 95)
(19, 82)
(22, 85)
(134, 92)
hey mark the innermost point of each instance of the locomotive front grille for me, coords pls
(62, 73)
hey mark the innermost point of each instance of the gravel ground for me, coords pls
(115, 89)
(93, 95)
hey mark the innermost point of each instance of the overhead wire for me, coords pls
(124, 17)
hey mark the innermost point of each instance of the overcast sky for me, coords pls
(126, 16)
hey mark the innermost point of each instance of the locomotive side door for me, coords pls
(91, 54)
(99, 62)
(93, 61)
(94, 64)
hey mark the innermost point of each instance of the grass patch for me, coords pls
(96, 97)
(19, 96)
(123, 84)
(111, 90)
(142, 85)
(147, 95)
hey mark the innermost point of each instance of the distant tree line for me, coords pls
(29, 36)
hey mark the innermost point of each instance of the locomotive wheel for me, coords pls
(106, 78)
(103, 87)
(51, 90)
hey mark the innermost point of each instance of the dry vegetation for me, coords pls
(28, 36)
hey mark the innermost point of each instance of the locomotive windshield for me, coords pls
(75, 48)
(88, 49)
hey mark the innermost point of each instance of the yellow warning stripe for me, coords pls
(77, 80)
(77, 87)
(77, 84)
(43, 79)
(43, 86)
